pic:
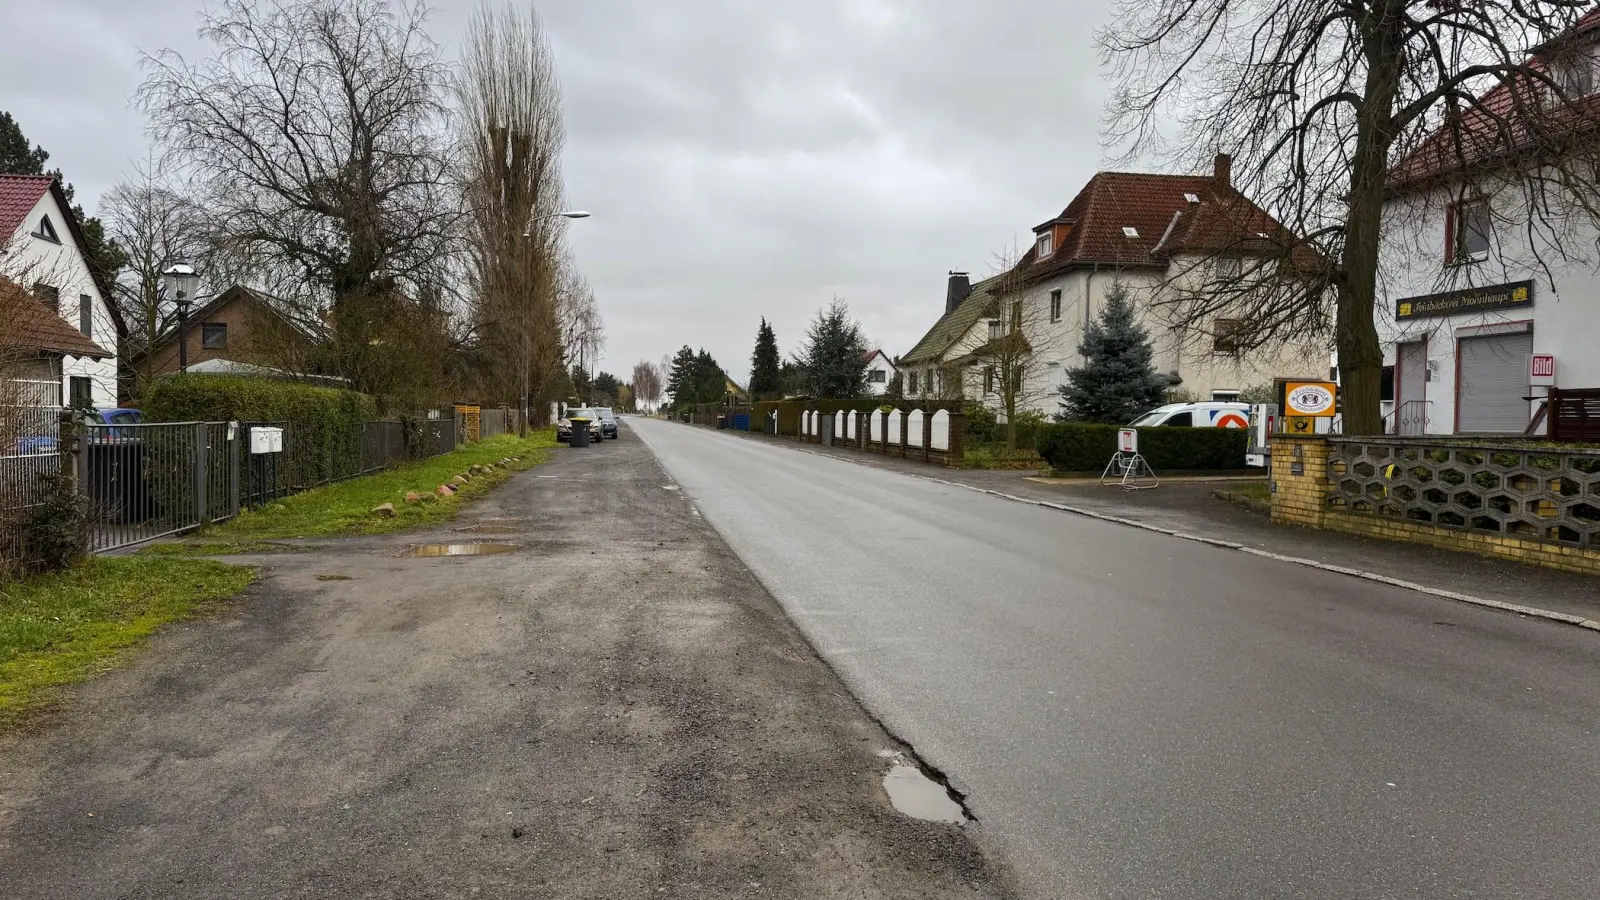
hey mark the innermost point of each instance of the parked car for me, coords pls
(1212, 414)
(32, 445)
(564, 424)
(608, 422)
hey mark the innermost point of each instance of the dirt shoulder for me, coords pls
(614, 709)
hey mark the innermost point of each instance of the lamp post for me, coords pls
(181, 281)
(527, 330)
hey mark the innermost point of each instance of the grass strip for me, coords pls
(66, 627)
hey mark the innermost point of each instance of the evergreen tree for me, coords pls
(709, 382)
(18, 157)
(1118, 379)
(680, 378)
(791, 379)
(765, 365)
(607, 388)
(835, 354)
(896, 388)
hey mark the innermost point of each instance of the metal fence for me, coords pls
(151, 480)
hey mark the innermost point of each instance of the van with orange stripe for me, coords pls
(1212, 414)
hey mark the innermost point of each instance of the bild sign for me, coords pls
(1467, 300)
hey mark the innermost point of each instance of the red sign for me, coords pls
(1127, 440)
(1541, 369)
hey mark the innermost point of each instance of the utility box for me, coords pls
(266, 440)
(1263, 422)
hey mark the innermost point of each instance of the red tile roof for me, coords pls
(1163, 217)
(1512, 116)
(19, 194)
(27, 324)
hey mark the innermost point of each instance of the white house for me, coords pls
(1474, 280)
(43, 251)
(1149, 233)
(880, 371)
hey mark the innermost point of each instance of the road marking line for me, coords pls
(1532, 611)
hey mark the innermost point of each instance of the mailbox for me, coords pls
(266, 440)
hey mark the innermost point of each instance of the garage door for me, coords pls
(1493, 382)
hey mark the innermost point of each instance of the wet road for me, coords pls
(1139, 716)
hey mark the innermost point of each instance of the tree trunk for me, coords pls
(1355, 332)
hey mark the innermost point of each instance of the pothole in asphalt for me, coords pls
(432, 550)
(920, 797)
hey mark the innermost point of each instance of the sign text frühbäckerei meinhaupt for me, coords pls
(1467, 300)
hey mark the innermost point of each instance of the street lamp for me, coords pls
(181, 282)
(569, 214)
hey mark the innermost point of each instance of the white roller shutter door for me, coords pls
(1492, 382)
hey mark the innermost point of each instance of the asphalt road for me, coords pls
(1139, 716)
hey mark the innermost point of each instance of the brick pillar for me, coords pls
(1300, 479)
(958, 439)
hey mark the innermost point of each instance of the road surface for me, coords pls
(1135, 715)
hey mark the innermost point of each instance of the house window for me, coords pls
(78, 393)
(1055, 305)
(1227, 336)
(214, 336)
(1574, 72)
(988, 379)
(86, 314)
(1469, 231)
(1227, 268)
(877, 376)
(1129, 231)
(1386, 385)
(1016, 315)
(49, 295)
(994, 329)
(1045, 246)
(911, 382)
(47, 231)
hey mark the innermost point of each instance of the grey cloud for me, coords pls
(741, 158)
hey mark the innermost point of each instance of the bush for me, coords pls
(1087, 447)
(326, 427)
(57, 534)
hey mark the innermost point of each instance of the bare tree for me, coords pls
(315, 130)
(512, 135)
(647, 385)
(1020, 333)
(156, 228)
(1333, 106)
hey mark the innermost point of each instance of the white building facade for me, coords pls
(43, 252)
(880, 371)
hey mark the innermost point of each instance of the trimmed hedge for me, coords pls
(327, 426)
(1087, 447)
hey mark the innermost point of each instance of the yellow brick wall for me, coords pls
(1301, 499)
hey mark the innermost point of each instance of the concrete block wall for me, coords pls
(1300, 481)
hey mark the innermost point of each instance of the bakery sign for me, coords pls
(1467, 300)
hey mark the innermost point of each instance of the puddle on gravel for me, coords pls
(431, 550)
(920, 797)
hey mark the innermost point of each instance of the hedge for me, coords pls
(1087, 447)
(327, 426)
(789, 410)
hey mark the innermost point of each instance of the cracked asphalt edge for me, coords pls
(1530, 611)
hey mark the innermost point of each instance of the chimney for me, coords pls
(1222, 171)
(960, 286)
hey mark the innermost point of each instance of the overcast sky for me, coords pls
(741, 157)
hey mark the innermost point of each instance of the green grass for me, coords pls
(63, 628)
(996, 456)
(1254, 490)
(346, 507)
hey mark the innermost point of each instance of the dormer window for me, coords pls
(1130, 231)
(47, 231)
(1192, 198)
(1045, 245)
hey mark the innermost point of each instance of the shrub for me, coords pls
(1087, 447)
(57, 534)
(326, 436)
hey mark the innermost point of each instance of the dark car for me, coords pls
(608, 422)
(564, 424)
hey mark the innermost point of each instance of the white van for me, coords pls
(1211, 414)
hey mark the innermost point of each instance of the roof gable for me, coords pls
(31, 326)
(952, 325)
(20, 195)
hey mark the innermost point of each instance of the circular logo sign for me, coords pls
(1310, 400)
